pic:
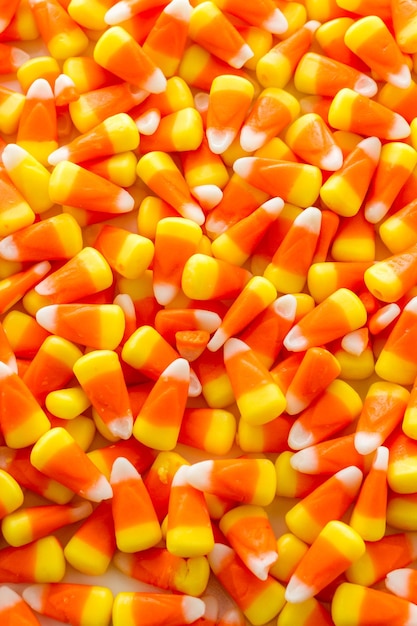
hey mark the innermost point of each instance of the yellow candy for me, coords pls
(11, 497)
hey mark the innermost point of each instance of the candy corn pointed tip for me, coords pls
(208, 196)
(218, 339)
(198, 475)
(401, 79)
(367, 442)
(366, 86)
(244, 54)
(33, 595)
(243, 166)
(374, 211)
(294, 405)
(310, 220)
(234, 346)
(179, 9)
(122, 469)
(164, 293)
(297, 591)
(305, 460)
(276, 23)
(13, 155)
(100, 490)
(178, 370)
(193, 608)
(400, 128)
(8, 249)
(260, 564)
(381, 458)
(8, 597)
(295, 341)
(299, 437)
(372, 147)
(312, 25)
(207, 320)
(149, 122)
(273, 206)
(193, 212)
(219, 139)
(124, 202)
(46, 316)
(61, 154)
(156, 82)
(332, 160)
(351, 477)
(40, 89)
(195, 388)
(5, 371)
(81, 510)
(121, 427)
(286, 306)
(120, 12)
(396, 581)
(251, 140)
(217, 556)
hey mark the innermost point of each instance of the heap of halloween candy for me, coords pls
(208, 299)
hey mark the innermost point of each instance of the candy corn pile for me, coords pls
(208, 299)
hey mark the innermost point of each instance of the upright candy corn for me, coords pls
(189, 530)
(257, 395)
(135, 523)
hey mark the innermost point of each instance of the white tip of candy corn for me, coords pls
(121, 427)
(122, 469)
(234, 346)
(208, 196)
(351, 477)
(372, 147)
(192, 608)
(286, 306)
(194, 388)
(61, 154)
(243, 166)
(244, 54)
(207, 320)
(294, 404)
(251, 140)
(8, 249)
(305, 461)
(98, 491)
(297, 591)
(375, 211)
(164, 293)
(396, 581)
(381, 458)
(8, 597)
(40, 89)
(118, 13)
(332, 160)
(13, 155)
(199, 474)
(276, 23)
(124, 201)
(365, 86)
(218, 555)
(217, 340)
(295, 341)
(179, 9)
(219, 140)
(273, 206)
(366, 442)
(260, 564)
(156, 82)
(193, 212)
(148, 122)
(299, 437)
(33, 595)
(400, 128)
(401, 79)
(46, 316)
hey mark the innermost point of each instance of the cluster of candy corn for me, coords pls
(208, 312)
